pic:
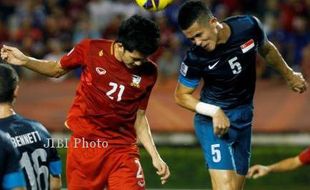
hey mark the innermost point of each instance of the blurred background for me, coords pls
(50, 28)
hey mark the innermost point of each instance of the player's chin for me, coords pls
(209, 47)
(130, 66)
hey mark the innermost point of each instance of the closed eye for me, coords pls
(195, 36)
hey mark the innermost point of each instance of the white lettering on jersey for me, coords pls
(25, 139)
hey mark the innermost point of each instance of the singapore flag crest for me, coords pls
(247, 46)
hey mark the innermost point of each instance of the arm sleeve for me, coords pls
(55, 168)
(145, 99)
(54, 162)
(259, 33)
(190, 73)
(304, 156)
(76, 57)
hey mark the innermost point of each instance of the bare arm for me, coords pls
(49, 68)
(295, 80)
(184, 97)
(19, 188)
(55, 182)
(144, 134)
(288, 164)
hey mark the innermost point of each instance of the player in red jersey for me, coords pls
(288, 164)
(108, 113)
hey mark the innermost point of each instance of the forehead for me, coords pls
(136, 54)
(194, 29)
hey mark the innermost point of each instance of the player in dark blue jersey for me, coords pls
(40, 164)
(223, 56)
(11, 176)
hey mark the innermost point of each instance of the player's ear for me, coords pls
(16, 91)
(213, 21)
(121, 47)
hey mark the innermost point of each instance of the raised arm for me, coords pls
(144, 135)
(49, 68)
(184, 97)
(271, 54)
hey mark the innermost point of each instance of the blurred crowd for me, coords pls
(49, 28)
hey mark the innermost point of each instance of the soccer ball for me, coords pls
(154, 5)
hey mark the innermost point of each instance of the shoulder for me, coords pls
(35, 125)
(3, 138)
(243, 22)
(246, 27)
(5, 142)
(95, 44)
(149, 67)
(100, 42)
(195, 55)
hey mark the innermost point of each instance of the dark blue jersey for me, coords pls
(37, 160)
(229, 71)
(10, 172)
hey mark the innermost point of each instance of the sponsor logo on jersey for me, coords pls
(212, 66)
(247, 46)
(183, 69)
(101, 71)
(100, 53)
(135, 81)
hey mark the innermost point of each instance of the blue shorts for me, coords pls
(233, 150)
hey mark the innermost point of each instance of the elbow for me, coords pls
(178, 99)
(57, 71)
(56, 75)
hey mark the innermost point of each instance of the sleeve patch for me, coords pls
(183, 69)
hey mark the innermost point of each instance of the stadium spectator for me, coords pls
(58, 19)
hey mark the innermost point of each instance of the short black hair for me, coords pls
(191, 11)
(8, 83)
(140, 34)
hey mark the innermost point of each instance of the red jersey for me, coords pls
(109, 94)
(305, 156)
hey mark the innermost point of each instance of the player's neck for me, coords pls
(224, 33)
(6, 110)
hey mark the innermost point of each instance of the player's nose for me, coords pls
(137, 63)
(198, 42)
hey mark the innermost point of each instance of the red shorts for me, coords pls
(96, 168)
